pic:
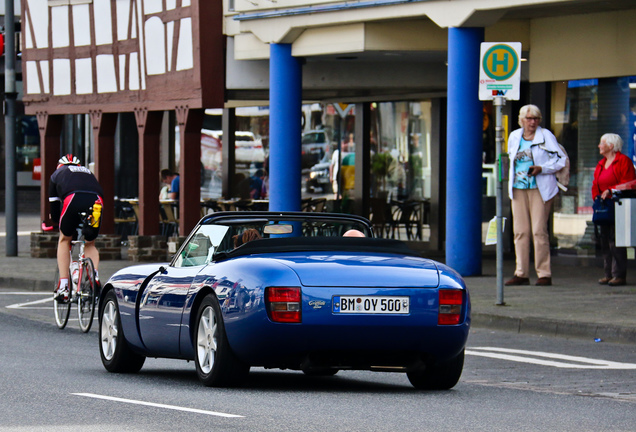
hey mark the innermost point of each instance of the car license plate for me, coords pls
(371, 305)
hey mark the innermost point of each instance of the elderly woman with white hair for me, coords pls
(535, 157)
(615, 168)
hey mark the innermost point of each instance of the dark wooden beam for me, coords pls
(103, 126)
(190, 122)
(149, 128)
(50, 128)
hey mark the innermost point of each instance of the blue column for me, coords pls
(464, 152)
(285, 100)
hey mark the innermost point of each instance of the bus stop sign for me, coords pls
(500, 70)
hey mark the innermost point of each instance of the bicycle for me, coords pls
(82, 285)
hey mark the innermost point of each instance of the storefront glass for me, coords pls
(582, 111)
(27, 150)
(400, 151)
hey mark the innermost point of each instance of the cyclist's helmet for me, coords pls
(68, 159)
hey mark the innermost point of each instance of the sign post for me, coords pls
(499, 79)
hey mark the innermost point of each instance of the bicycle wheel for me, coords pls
(61, 309)
(86, 300)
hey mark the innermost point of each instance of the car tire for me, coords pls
(441, 376)
(217, 365)
(114, 350)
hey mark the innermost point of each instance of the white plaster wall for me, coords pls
(81, 25)
(134, 79)
(185, 55)
(61, 77)
(122, 71)
(33, 84)
(40, 18)
(152, 6)
(155, 46)
(103, 26)
(83, 76)
(123, 19)
(169, 34)
(59, 17)
(106, 78)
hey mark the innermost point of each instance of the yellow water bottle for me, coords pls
(97, 213)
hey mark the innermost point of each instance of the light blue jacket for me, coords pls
(546, 153)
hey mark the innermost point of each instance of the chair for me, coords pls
(407, 214)
(305, 205)
(209, 206)
(380, 216)
(318, 205)
(125, 219)
(243, 205)
(169, 221)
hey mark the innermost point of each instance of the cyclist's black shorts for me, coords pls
(73, 205)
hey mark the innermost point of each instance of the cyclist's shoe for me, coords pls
(98, 287)
(61, 294)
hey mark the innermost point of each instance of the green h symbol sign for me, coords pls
(496, 62)
(500, 62)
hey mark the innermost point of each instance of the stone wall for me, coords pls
(152, 248)
(140, 248)
(44, 245)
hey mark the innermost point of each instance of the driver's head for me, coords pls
(353, 233)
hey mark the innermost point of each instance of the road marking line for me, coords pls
(498, 353)
(25, 305)
(20, 233)
(156, 405)
(38, 293)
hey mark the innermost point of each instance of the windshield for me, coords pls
(226, 232)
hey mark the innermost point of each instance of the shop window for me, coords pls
(582, 111)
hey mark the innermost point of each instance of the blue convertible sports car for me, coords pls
(290, 291)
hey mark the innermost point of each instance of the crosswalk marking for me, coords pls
(546, 359)
(157, 405)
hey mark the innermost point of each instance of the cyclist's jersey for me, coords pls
(68, 179)
(74, 189)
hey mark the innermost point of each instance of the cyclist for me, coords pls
(74, 189)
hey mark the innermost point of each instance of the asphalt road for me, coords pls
(53, 380)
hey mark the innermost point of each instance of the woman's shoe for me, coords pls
(616, 282)
(516, 280)
(544, 281)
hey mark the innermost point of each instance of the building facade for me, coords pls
(398, 77)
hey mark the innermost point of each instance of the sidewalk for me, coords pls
(575, 306)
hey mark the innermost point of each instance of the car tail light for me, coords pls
(284, 304)
(450, 306)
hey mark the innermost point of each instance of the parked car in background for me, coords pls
(288, 290)
(248, 149)
(315, 144)
(318, 179)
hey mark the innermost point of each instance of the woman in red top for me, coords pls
(615, 168)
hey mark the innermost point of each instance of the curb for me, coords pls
(26, 284)
(558, 328)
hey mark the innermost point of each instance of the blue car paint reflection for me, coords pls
(159, 303)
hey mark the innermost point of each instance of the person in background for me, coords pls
(256, 184)
(334, 166)
(247, 236)
(74, 189)
(615, 168)
(172, 179)
(535, 157)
